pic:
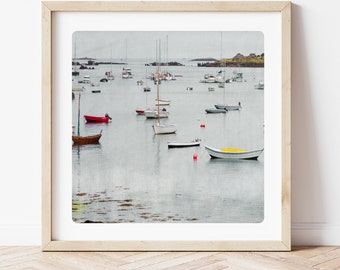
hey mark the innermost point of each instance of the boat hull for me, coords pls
(215, 153)
(94, 139)
(215, 111)
(140, 112)
(154, 114)
(96, 119)
(164, 129)
(228, 107)
(183, 144)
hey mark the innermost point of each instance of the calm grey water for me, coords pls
(132, 176)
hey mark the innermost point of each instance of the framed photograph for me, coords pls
(177, 136)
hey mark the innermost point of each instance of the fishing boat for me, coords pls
(93, 139)
(195, 142)
(161, 129)
(97, 119)
(233, 153)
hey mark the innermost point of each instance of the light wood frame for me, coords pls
(48, 8)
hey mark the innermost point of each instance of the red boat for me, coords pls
(97, 119)
(140, 112)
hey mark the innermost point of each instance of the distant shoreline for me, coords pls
(239, 60)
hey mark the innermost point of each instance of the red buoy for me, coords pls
(202, 125)
(194, 157)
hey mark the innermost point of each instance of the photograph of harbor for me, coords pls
(168, 127)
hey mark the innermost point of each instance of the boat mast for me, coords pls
(158, 70)
(223, 73)
(111, 60)
(78, 116)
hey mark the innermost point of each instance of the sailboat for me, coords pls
(109, 74)
(225, 106)
(85, 139)
(158, 127)
(146, 90)
(127, 73)
(75, 72)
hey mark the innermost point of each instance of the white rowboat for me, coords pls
(195, 142)
(232, 153)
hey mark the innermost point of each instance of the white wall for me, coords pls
(315, 125)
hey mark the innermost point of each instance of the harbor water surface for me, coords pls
(132, 176)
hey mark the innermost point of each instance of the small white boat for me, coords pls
(164, 129)
(260, 85)
(229, 107)
(195, 142)
(209, 78)
(232, 153)
(153, 114)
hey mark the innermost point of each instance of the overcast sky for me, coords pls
(180, 44)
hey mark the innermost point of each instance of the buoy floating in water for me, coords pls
(202, 125)
(194, 157)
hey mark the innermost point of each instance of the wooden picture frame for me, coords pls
(48, 242)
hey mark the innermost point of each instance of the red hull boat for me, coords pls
(140, 112)
(97, 119)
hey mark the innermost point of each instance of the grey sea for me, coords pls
(132, 175)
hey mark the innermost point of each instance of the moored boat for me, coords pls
(97, 119)
(195, 142)
(147, 89)
(161, 129)
(79, 140)
(153, 114)
(229, 107)
(93, 139)
(164, 129)
(233, 153)
(140, 112)
(260, 85)
(214, 110)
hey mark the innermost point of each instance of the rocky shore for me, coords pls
(239, 60)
